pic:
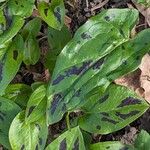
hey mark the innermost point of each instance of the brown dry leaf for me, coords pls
(144, 11)
(145, 76)
(67, 21)
(131, 81)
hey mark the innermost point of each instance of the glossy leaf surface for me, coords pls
(99, 43)
(36, 105)
(21, 8)
(19, 93)
(27, 136)
(10, 64)
(108, 146)
(53, 14)
(69, 140)
(8, 110)
(112, 110)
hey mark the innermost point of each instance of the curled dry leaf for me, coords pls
(145, 76)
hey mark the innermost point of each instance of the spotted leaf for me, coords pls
(83, 59)
(11, 62)
(109, 146)
(8, 111)
(14, 27)
(21, 8)
(28, 136)
(19, 93)
(112, 110)
(36, 105)
(53, 14)
(71, 139)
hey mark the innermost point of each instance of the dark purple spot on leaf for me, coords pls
(85, 36)
(74, 70)
(58, 79)
(15, 54)
(64, 107)
(109, 120)
(36, 148)
(22, 147)
(137, 58)
(63, 145)
(98, 64)
(122, 33)
(46, 12)
(56, 99)
(16, 2)
(76, 144)
(129, 101)
(105, 114)
(1, 118)
(98, 127)
(57, 14)
(3, 114)
(77, 93)
(124, 148)
(104, 98)
(122, 46)
(124, 62)
(40, 141)
(107, 18)
(38, 126)
(125, 116)
(30, 110)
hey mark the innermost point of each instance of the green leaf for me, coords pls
(145, 2)
(142, 141)
(69, 140)
(83, 57)
(31, 52)
(11, 63)
(8, 110)
(19, 93)
(57, 40)
(21, 8)
(32, 27)
(132, 53)
(36, 105)
(2, 22)
(28, 136)
(108, 146)
(31, 46)
(6, 37)
(53, 14)
(35, 85)
(112, 110)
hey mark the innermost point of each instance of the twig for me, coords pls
(100, 5)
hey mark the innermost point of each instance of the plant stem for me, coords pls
(68, 121)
